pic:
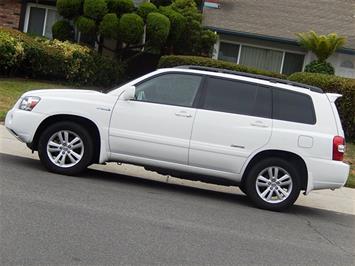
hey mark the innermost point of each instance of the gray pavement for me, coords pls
(103, 218)
(115, 215)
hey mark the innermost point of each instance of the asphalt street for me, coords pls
(102, 218)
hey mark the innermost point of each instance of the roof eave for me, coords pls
(344, 50)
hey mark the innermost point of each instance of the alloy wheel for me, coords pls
(65, 148)
(274, 184)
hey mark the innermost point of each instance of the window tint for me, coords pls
(174, 89)
(293, 106)
(237, 97)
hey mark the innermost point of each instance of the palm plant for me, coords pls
(322, 46)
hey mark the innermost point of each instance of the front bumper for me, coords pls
(23, 124)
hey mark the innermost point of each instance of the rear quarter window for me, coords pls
(293, 106)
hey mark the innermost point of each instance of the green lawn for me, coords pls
(350, 158)
(11, 90)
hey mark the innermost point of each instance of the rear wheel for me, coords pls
(65, 148)
(273, 184)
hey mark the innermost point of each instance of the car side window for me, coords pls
(294, 107)
(233, 96)
(173, 89)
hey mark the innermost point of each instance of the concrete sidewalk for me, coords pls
(341, 200)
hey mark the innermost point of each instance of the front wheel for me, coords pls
(273, 184)
(65, 148)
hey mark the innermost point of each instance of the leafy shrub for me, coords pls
(85, 25)
(179, 60)
(69, 8)
(63, 30)
(145, 8)
(56, 60)
(158, 27)
(109, 26)
(95, 9)
(131, 28)
(120, 6)
(321, 67)
(335, 84)
(11, 52)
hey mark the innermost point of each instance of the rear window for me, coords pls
(294, 107)
(237, 97)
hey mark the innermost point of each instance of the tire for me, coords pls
(66, 140)
(243, 189)
(283, 183)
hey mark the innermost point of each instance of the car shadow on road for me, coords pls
(155, 187)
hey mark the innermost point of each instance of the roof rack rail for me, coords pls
(249, 75)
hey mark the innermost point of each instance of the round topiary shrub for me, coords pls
(109, 26)
(85, 25)
(69, 8)
(158, 27)
(131, 28)
(120, 6)
(321, 67)
(63, 30)
(95, 9)
(145, 8)
(177, 22)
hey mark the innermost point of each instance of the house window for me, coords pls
(292, 63)
(261, 58)
(228, 52)
(40, 19)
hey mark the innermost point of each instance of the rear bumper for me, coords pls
(23, 124)
(326, 174)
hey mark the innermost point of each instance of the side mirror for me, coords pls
(128, 94)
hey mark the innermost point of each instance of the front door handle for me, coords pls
(183, 114)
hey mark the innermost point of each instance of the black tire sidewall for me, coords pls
(251, 180)
(83, 134)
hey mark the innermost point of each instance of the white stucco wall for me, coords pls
(337, 60)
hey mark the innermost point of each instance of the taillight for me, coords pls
(338, 148)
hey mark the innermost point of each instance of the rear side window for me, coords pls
(294, 107)
(237, 97)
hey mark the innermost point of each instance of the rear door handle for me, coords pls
(258, 124)
(183, 114)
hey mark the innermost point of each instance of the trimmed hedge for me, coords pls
(335, 84)
(56, 60)
(179, 60)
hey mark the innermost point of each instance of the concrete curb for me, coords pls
(341, 200)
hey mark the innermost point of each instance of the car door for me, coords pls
(233, 120)
(157, 124)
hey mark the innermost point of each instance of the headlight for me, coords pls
(29, 102)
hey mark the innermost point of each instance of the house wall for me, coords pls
(337, 60)
(340, 61)
(10, 12)
(254, 42)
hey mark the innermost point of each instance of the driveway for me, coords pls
(111, 215)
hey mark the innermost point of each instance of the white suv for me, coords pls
(271, 137)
